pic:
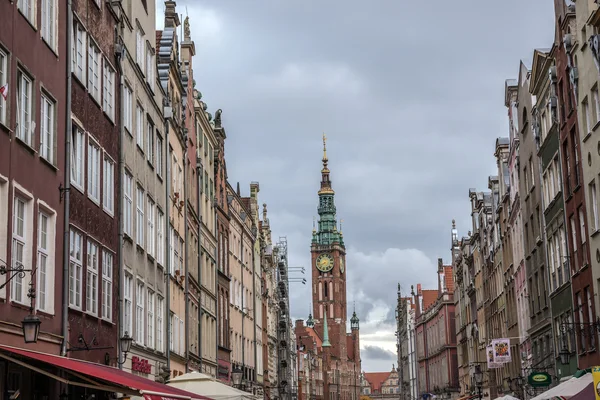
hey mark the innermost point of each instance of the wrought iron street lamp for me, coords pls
(236, 377)
(31, 323)
(565, 356)
(478, 377)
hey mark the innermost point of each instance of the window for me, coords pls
(586, 117)
(75, 269)
(127, 305)
(91, 303)
(44, 267)
(139, 47)
(107, 288)
(93, 171)
(109, 91)
(48, 129)
(150, 66)
(140, 200)
(596, 103)
(139, 128)
(127, 108)
(94, 67)
(171, 250)
(108, 192)
(18, 287)
(27, 8)
(594, 203)
(77, 149)
(159, 155)
(49, 22)
(78, 51)
(127, 203)
(150, 142)
(3, 87)
(139, 313)
(150, 322)
(160, 311)
(160, 237)
(151, 238)
(25, 124)
(171, 327)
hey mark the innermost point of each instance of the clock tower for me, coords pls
(329, 267)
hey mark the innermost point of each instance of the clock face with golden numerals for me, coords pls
(325, 262)
(342, 265)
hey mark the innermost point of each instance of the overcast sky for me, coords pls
(411, 97)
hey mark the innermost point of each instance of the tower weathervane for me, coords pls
(324, 146)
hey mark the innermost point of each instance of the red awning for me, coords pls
(100, 376)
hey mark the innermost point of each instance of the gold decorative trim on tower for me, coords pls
(325, 182)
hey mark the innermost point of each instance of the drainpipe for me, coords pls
(186, 235)
(218, 319)
(200, 312)
(243, 312)
(67, 188)
(168, 236)
(254, 308)
(121, 169)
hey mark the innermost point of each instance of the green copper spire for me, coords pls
(327, 232)
(325, 332)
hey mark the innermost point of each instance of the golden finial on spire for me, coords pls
(341, 222)
(314, 225)
(324, 146)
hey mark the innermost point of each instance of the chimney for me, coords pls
(171, 16)
(419, 291)
(299, 323)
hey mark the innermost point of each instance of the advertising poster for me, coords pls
(491, 363)
(596, 377)
(501, 350)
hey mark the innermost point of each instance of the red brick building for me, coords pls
(436, 335)
(32, 144)
(224, 277)
(94, 154)
(575, 201)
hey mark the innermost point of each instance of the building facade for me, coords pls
(34, 114)
(579, 95)
(142, 171)
(94, 153)
(223, 272)
(208, 238)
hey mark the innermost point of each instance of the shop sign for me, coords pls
(140, 365)
(539, 379)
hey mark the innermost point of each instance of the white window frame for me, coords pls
(159, 155)
(25, 122)
(108, 178)
(77, 157)
(149, 141)
(45, 271)
(18, 285)
(128, 108)
(151, 239)
(3, 81)
(139, 128)
(28, 9)
(108, 96)
(139, 313)
(93, 170)
(150, 66)
(107, 284)
(94, 74)
(139, 47)
(128, 305)
(91, 292)
(595, 225)
(160, 310)
(75, 270)
(49, 22)
(140, 222)
(48, 129)
(127, 204)
(150, 338)
(160, 236)
(78, 50)
(596, 103)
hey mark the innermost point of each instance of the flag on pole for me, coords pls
(4, 91)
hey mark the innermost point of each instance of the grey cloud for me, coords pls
(411, 97)
(377, 353)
